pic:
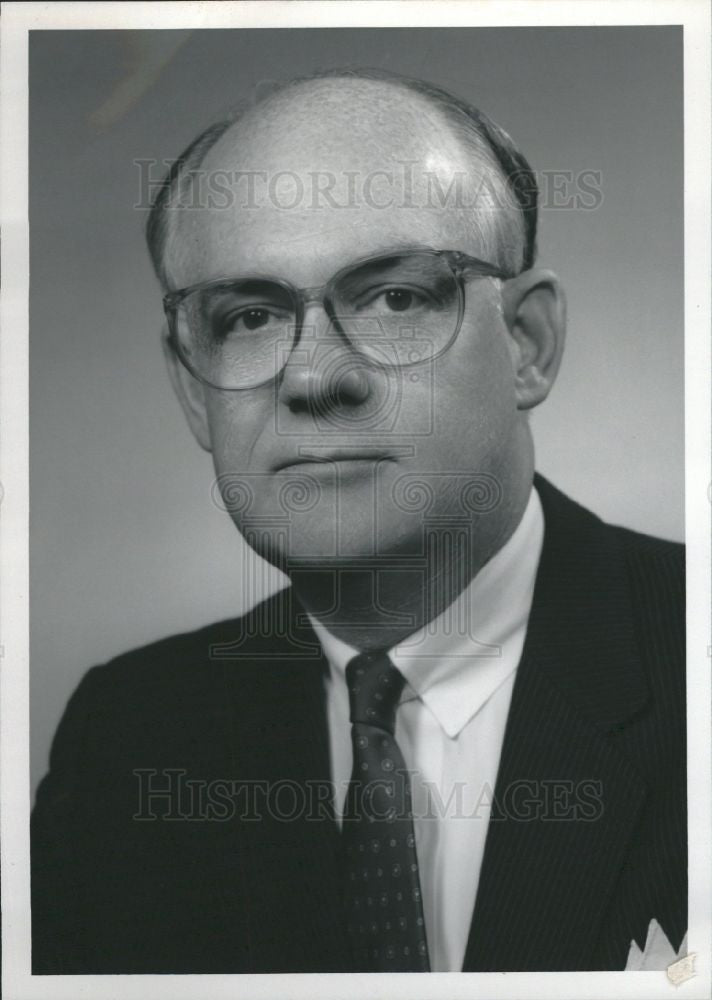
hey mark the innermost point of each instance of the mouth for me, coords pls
(331, 458)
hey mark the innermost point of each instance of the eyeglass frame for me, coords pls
(462, 265)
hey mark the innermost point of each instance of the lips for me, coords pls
(331, 457)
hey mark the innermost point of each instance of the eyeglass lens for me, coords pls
(395, 311)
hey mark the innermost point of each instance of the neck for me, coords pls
(377, 607)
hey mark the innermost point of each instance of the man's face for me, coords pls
(338, 459)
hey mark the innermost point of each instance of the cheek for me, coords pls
(236, 422)
(475, 390)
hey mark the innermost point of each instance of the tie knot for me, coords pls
(375, 686)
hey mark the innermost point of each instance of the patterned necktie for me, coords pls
(384, 909)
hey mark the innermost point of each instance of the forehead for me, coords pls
(325, 173)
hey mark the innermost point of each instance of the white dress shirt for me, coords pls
(450, 723)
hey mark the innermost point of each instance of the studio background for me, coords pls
(126, 544)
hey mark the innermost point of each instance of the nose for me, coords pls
(324, 374)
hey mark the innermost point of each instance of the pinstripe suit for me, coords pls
(598, 704)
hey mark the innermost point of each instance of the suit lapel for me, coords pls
(566, 802)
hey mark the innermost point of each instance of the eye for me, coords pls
(251, 319)
(393, 299)
(364, 293)
(254, 318)
(399, 299)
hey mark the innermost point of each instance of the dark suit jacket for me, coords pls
(598, 706)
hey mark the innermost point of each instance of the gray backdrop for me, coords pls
(126, 544)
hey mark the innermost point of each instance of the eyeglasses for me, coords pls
(394, 310)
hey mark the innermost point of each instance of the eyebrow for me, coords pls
(269, 273)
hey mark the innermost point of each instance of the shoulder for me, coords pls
(619, 588)
(664, 558)
(176, 675)
(657, 561)
(185, 690)
(655, 570)
(262, 633)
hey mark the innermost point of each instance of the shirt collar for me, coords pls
(456, 662)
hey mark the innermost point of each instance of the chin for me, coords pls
(311, 541)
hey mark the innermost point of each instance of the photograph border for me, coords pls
(18, 20)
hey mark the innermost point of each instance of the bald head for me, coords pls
(336, 150)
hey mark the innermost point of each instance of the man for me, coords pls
(456, 741)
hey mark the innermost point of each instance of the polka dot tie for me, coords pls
(384, 909)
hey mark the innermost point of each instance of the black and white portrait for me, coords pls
(357, 572)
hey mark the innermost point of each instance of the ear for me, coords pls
(190, 393)
(535, 313)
